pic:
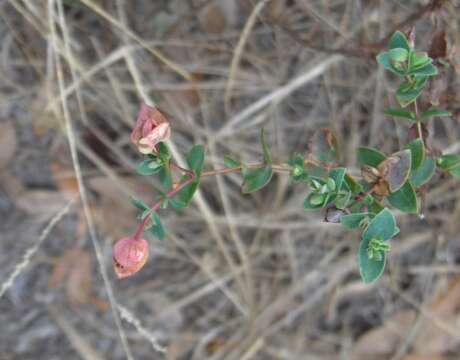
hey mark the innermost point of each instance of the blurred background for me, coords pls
(239, 276)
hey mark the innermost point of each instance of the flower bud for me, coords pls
(151, 128)
(129, 256)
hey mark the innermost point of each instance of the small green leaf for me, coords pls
(370, 269)
(406, 97)
(338, 175)
(400, 113)
(298, 172)
(398, 54)
(257, 179)
(384, 59)
(404, 199)
(315, 200)
(427, 70)
(352, 185)
(435, 112)
(156, 227)
(424, 173)
(353, 221)
(195, 161)
(450, 163)
(383, 226)
(231, 162)
(399, 40)
(149, 167)
(165, 177)
(139, 204)
(342, 199)
(418, 60)
(267, 156)
(369, 156)
(163, 152)
(417, 151)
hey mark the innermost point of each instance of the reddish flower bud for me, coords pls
(151, 128)
(129, 256)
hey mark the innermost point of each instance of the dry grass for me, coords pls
(238, 277)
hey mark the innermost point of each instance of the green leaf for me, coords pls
(382, 226)
(384, 59)
(298, 172)
(165, 177)
(418, 60)
(370, 269)
(398, 54)
(400, 113)
(315, 200)
(435, 112)
(267, 156)
(337, 174)
(231, 162)
(352, 185)
(404, 199)
(195, 161)
(417, 151)
(450, 163)
(257, 179)
(163, 152)
(353, 221)
(156, 227)
(406, 97)
(149, 167)
(369, 156)
(424, 173)
(139, 204)
(399, 40)
(427, 70)
(342, 200)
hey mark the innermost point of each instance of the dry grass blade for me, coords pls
(32, 250)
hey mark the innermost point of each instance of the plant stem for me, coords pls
(236, 169)
(157, 205)
(419, 124)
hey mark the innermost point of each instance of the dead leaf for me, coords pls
(438, 45)
(395, 170)
(64, 178)
(8, 143)
(275, 9)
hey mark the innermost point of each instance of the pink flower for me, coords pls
(151, 128)
(129, 256)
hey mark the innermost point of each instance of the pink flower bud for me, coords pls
(129, 256)
(151, 128)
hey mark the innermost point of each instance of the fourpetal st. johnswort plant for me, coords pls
(394, 181)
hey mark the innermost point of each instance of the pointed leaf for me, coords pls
(370, 269)
(257, 179)
(369, 156)
(399, 40)
(337, 174)
(267, 156)
(383, 226)
(435, 112)
(424, 173)
(353, 221)
(404, 199)
(417, 151)
(401, 113)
